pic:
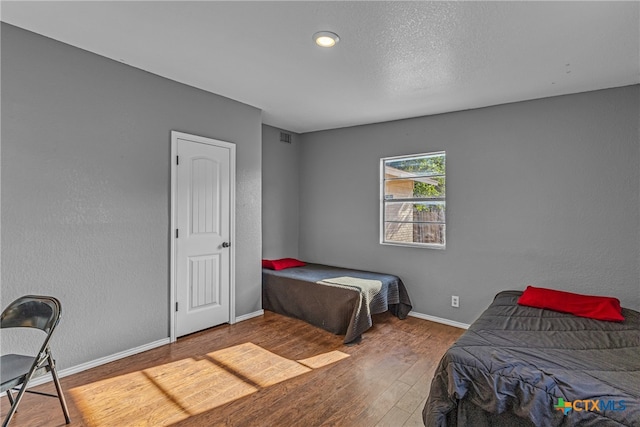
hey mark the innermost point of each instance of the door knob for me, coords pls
(226, 244)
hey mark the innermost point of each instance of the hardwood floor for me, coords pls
(256, 379)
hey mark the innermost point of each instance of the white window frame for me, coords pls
(383, 241)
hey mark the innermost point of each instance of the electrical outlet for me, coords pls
(455, 301)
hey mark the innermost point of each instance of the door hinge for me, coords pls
(177, 160)
(176, 305)
(176, 233)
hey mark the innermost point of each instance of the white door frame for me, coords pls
(172, 233)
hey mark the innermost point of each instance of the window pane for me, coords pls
(415, 166)
(404, 232)
(427, 187)
(415, 212)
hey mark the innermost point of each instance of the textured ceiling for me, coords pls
(394, 60)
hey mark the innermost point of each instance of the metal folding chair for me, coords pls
(30, 311)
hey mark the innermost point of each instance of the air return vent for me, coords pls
(285, 137)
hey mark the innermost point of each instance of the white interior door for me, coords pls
(202, 263)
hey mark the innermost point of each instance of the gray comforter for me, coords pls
(295, 292)
(520, 366)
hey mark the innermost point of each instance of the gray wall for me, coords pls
(280, 193)
(86, 186)
(543, 192)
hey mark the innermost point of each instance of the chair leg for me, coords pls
(56, 381)
(9, 396)
(14, 405)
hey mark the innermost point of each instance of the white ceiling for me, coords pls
(394, 60)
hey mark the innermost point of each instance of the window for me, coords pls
(413, 201)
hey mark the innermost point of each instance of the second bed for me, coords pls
(336, 299)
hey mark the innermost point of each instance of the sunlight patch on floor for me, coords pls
(165, 394)
(256, 365)
(324, 359)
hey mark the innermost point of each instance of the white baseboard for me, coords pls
(439, 320)
(97, 362)
(249, 316)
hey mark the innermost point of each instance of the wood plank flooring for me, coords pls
(382, 381)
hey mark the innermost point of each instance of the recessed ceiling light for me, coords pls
(326, 38)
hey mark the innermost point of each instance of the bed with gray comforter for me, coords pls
(336, 304)
(523, 366)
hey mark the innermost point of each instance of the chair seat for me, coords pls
(13, 368)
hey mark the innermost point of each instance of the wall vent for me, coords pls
(285, 137)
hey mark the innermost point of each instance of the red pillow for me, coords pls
(281, 264)
(591, 306)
